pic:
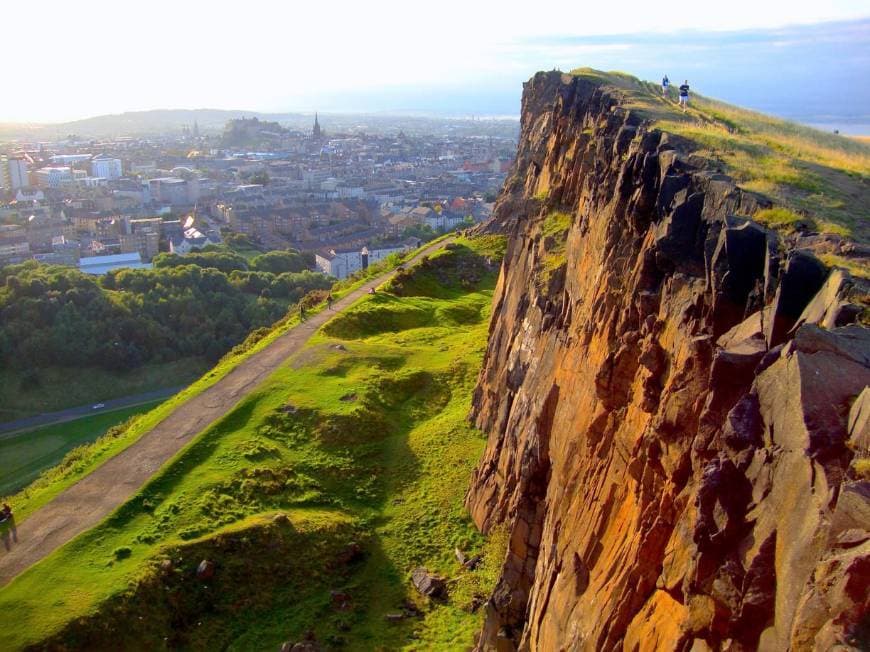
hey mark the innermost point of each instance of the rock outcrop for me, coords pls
(673, 399)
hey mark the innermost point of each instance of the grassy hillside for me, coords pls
(85, 459)
(26, 454)
(361, 441)
(818, 180)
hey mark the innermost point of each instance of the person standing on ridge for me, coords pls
(7, 527)
(684, 95)
(665, 84)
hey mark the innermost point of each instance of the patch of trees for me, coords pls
(58, 316)
(422, 231)
(233, 240)
(274, 262)
(427, 233)
(279, 262)
(261, 178)
(222, 261)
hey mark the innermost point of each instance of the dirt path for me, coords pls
(95, 496)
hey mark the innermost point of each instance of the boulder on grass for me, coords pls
(428, 584)
(205, 570)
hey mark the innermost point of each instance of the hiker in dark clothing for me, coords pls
(7, 527)
(329, 301)
(301, 313)
(665, 85)
(684, 95)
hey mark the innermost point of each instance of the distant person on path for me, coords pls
(7, 527)
(665, 85)
(329, 301)
(301, 313)
(684, 95)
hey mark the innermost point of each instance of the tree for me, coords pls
(59, 316)
(422, 231)
(222, 260)
(278, 262)
(261, 178)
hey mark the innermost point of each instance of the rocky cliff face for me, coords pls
(673, 397)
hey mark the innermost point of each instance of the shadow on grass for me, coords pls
(269, 587)
(174, 473)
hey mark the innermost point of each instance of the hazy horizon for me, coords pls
(797, 60)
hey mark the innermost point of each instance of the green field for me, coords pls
(822, 179)
(361, 438)
(26, 454)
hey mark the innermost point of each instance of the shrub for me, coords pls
(122, 553)
(783, 219)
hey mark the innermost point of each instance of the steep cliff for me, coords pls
(674, 396)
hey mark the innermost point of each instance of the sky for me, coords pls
(91, 57)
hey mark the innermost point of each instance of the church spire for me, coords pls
(316, 131)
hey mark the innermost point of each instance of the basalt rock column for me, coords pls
(672, 396)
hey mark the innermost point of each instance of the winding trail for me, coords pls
(95, 496)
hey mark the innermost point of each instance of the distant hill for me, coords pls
(137, 123)
(214, 121)
(250, 132)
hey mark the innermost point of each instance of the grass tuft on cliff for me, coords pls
(822, 178)
(360, 440)
(554, 231)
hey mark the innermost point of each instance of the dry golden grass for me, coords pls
(854, 267)
(822, 179)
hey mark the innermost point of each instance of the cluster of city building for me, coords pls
(118, 202)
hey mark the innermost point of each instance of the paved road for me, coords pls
(10, 428)
(95, 496)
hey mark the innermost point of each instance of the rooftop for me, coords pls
(112, 259)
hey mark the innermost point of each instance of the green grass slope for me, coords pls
(818, 180)
(85, 459)
(361, 440)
